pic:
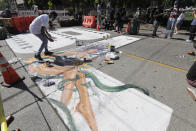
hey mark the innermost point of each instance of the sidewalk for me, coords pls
(26, 103)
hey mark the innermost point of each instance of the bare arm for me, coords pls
(46, 34)
(158, 15)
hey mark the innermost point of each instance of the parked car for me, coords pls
(7, 13)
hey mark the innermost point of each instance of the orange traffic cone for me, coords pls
(9, 74)
(98, 28)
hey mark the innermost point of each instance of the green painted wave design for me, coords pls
(64, 108)
(110, 88)
(60, 85)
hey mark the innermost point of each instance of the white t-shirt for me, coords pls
(38, 22)
(181, 17)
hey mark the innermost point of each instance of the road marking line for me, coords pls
(155, 62)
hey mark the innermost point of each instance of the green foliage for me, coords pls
(50, 4)
(188, 16)
(133, 4)
(31, 2)
(3, 4)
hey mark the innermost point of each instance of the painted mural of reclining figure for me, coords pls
(191, 79)
(83, 54)
(70, 74)
(74, 80)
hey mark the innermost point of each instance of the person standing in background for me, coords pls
(171, 23)
(191, 80)
(192, 28)
(179, 20)
(138, 13)
(99, 14)
(157, 19)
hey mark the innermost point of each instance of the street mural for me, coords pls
(89, 100)
(81, 33)
(29, 43)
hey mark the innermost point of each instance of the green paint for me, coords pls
(109, 88)
(49, 76)
(64, 108)
(61, 84)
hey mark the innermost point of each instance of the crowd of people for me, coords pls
(155, 17)
(114, 19)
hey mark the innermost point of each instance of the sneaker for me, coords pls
(48, 53)
(38, 57)
(192, 92)
(189, 41)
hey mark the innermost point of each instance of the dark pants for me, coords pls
(118, 25)
(192, 32)
(44, 43)
(155, 27)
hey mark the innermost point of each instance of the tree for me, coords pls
(3, 4)
(49, 4)
(187, 2)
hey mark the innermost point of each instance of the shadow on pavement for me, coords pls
(179, 39)
(21, 85)
(145, 34)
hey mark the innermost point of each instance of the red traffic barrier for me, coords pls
(22, 23)
(89, 22)
(18, 23)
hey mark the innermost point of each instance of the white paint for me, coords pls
(118, 41)
(29, 43)
(128, 110)
(85, 34)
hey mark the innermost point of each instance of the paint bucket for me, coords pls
(112, 48)
(105, 37)
(78, 43)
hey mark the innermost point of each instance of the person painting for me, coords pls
(192, 28)
(39, 28)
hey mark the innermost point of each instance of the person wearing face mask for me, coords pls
(38, 27)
